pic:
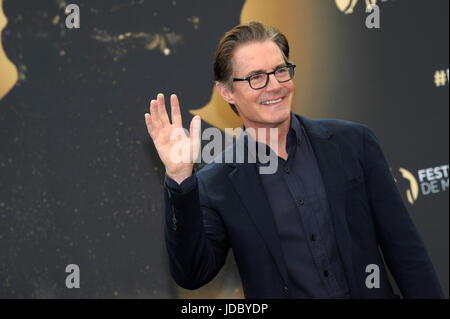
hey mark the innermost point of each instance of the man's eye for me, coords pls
(257, 77)
(282, 71)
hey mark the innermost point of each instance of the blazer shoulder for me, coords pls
(341, 126)
(349, 135)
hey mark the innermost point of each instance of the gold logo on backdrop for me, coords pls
(347, 6)
(413, 191)
(9, 73)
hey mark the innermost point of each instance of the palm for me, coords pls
(176, 150)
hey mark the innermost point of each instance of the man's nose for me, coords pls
(273, 83)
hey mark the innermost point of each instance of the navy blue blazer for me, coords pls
(226, 208)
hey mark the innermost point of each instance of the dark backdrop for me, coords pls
(80, 181)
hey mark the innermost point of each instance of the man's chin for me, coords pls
(276, 119)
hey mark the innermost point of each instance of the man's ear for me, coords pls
(225, 92)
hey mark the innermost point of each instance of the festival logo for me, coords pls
(426, 182)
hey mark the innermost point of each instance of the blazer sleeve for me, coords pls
(399, 240)
(196, 238)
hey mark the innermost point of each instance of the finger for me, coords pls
(154, 115)
(176, 113)
(148, 122)
(194, 130)
(195, 138)
(162, 110)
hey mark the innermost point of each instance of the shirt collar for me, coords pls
(295, 127)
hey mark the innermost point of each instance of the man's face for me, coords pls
(254, 57)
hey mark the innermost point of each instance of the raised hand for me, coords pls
(176, 150)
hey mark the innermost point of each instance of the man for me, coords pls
(313, 227)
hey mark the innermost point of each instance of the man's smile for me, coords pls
(272, 101)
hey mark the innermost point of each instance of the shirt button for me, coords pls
(325, 273)
(301, 202)
(285, 289)
(286, 169)
(313, 237)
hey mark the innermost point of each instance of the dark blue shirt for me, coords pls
(300, 207)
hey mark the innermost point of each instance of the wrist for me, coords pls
(179, 177)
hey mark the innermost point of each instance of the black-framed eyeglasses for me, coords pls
(260, 80)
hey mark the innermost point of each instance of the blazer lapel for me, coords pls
(331, 167)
